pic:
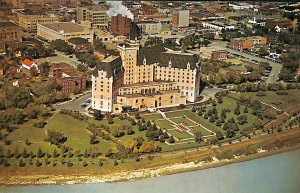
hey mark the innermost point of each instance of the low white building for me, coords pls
(239, 6)
(28, 64)
(150, 27)
(63, 31)
(217, 26)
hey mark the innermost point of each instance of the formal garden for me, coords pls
(66, 138)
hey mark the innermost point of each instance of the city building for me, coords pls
(67, 77)
(94, 15)
(219, 54)
(145, 77)
(150, 26)
(10, 32)
(120, 25)
(240, 6)
(180, 18)
(29, 21)
(247, 42)
(63, 31)
(218, 25)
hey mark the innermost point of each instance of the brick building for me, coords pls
(219, 55)
(247, 43)
(120, 25)
(67, 77)
(10, 32)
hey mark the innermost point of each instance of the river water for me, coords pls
(278, 173)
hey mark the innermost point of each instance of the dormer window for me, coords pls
(188, 66)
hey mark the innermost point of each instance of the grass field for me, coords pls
(164, 124)
(184, 120)
(180, 135)
(284, 102)
(204, 132)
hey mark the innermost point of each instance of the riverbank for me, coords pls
(285, 141)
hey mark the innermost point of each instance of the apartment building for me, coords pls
(67, 77)
(145, 77)
(10, 32)
(63, 31)
(29, 21)
(180, 18)
(150, 27)
(247, 42)
(120, 25)
(94, 15)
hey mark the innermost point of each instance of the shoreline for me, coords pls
(125, 176)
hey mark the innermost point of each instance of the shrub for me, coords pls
(133, 122)
(38, 163)
(137, 115)
(84, 164)
(181, 106)
(56, 137)
(171, 139)
(116, 163)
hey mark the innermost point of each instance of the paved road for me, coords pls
(276, 67)
(75, 105)
(210, 92)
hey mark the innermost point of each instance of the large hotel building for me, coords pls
(145, 77)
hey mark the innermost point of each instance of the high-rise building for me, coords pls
(120, 25)
(94, 15)
(145, 77)
(180, 18)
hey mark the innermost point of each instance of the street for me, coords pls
(75, 105)
(276, 67)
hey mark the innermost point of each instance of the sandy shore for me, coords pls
(132, 175)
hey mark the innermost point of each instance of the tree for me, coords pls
(230, 133)
(194, 109)
(25, 154)
(55, 154)
(40, 153)
(94, 139)
(116, 163)
(263, 52)
(21, 163)
(98, 115)
(44, 69)
(198, 136)
(86, 154)
(166, 135)
(82, 68)
(56, 137)
(38, 163)
(246, 109)
(34, 71)
(162, 138)
(219, 135)
(62, 46)
(171, 139)
(137, 115)
(133, 122)
(200, 113)
(110, 120)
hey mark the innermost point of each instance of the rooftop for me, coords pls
(7, 24)
(67, 27)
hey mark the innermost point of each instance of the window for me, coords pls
(136, 101)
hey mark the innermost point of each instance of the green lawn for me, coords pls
(152, 117)
(164, 124)
(204, 132)
(180, 135)
(74, 129)
(184, 120)
(177, 113)
(284, 102)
